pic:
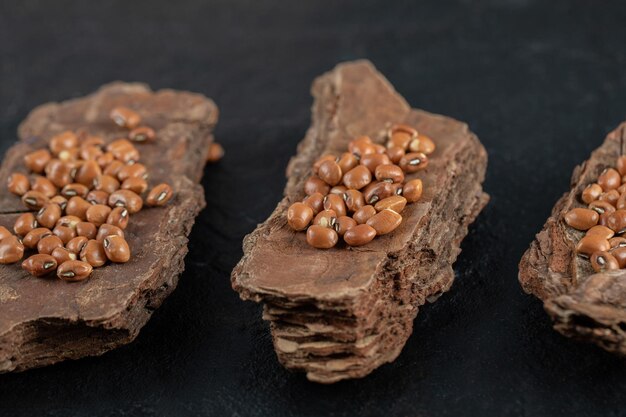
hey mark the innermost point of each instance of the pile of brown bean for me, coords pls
(604, 220)
(83, 192)
(360, 194)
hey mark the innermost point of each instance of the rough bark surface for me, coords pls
(341, 313)
(583, 305)
(43, 321)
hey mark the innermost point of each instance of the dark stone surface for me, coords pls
(541, 83)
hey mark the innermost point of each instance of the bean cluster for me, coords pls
(603, 220)
(82, 192)
(360, 194)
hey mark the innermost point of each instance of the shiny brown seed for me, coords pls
(215, 153)
(33, 237)
(113, 168)
(621, 202)
(616, 221)
(619, 253)
(581, 218)
(36, 161)
(34, 200)
(136, 185)
(359, 235)
(64, 140)
(116, 249)
(338, 189)
(616, 242)
(601, 207)
(11, 250)
(18, 184)
(426, 144)
(123, 150)
(609, 179)
(144, 134)
(299, 216)
(125, 117)
(97, 197)
(88, 173)
(377, 191)
(128, 199)
(4, 232)
(77, 244)
(395, 154)
(325, 218)
(603, 261)
(119, 217)
(86, 229)
(40, 265)
(97, 214)
(400, 140)
(59, 172)
(90, 152)
(24, 224)
(590, 244)
(611, 197)
(379, 148)
(315, 201)
(357, 177)
(315, 185)
(321, 237)
(159, 195)
(621, 165)
(74, 271)
(43, 185)
(343, 224)
(68, 155)
(413, 162)
(361, 146)
(136, 170)
(108, 230)
(335, 202)
(93, 253)
(354, 200)
(106, 183)
(63, 255)
(69, 221)
(47, 244)
(75, 189)
(330, 172)
(318, 163)
(59, 200)
(363, 214)
(600, 230)
(591, 193)
(395, 203)
(48, 215)
(64, 233)
(347, 161)
(389, 173)
(385, 222)
(104, 160)
(77, 206)
(412, 190)
(373, 161)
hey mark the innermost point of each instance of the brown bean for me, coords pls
(67, 155)
(113, 168)
(299, 216)
(315, 201)
(90, 152)
(347, 161)
(620, 255)
(63, 255)
(48, 215)
(69, 221)
(385, 222)
(413, 162)
(354, 200)
(609, 179)
(11, 250)
(18, 184)
(106, 183)
(325, 218)
(372, 161)
(128, 199)
(361, 146)
(136, 185)
(47, 244)
(116, 249)
(34, 200)
(43, 185)
(359, 235)
(104, 160)
(119, 217)
(603, 261)
(315, 185)
(64, 233)
(36, 161)
(136, 170)
(88, 173)
(125, 117)
(77, 244)
(33, 237)
(215, 153)
(318, 163)
(4, 232)
(399, 140)
(616, 242)
(159, 195)
(343, 224)
(123, 150)
(379, 148)
(335, 202)
(389, 173)
(86, 229)
(321, 237)
(60, 201)
(377, 191)
(425, 145)
(581, 218)
(363, 214)
(24, 224)
(621, 165)
(611, 197)
(77, 206)
(591, 193)
(97, 197)
(93, 253)
(61, 141)
(412, 190)
(395, 203)
(621, 202)
(74, 271)
(97, 214)
(599, 230)
(357, 177)
(338, 189)
(601, 207)
(75, 190)
(590, 244)
(617, 221)
(395, 154)
(330, 172)
(108, 230)
(40, 265)
(59, 172)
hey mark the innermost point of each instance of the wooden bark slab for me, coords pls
(341, 313)
(43, 321)
(583, 305)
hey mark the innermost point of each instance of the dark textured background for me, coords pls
(540, 82)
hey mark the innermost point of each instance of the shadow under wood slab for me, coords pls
(583, 305)
(341, 313)
(43, 321)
